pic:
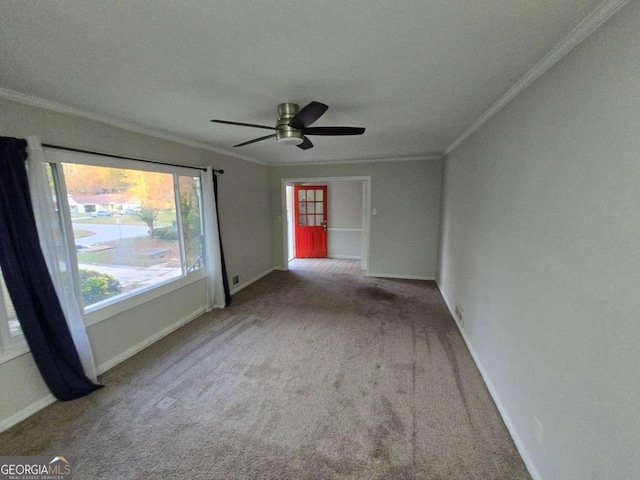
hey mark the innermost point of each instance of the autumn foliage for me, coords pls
(152, 189)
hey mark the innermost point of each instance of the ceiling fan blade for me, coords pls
(255, 140)
(306, 144)
(243, 124)
(334, 131)
(307, 115)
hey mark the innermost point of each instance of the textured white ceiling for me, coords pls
(416, 73)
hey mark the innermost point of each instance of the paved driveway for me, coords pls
(108, 233)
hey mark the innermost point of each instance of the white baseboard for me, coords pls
(346, 257)
(254, 279)
(524, 454)
(26, 412)
(400, 277)
(109, 364)
(49, 399)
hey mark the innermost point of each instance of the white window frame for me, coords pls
(111, 307)
(10, 347)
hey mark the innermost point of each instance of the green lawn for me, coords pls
(79, 233)
(129, 252)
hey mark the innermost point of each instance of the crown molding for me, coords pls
(33, 101)
(596, 18)
(430, 156)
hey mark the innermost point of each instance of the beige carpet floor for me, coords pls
(309, 375)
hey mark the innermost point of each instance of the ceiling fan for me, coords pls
(293, 125)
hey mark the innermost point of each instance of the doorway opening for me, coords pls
(337, 208)
(310, 230)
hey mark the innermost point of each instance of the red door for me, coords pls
(310, 221)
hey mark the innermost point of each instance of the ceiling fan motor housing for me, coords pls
(285, 133)
(293, 126)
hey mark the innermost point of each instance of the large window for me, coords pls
(132, 229)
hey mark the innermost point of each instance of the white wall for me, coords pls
(541, 247)
(344, 219)
(344, 204)
(245, 221)
(406, 194)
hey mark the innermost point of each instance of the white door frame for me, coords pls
(289, 224)
(366, 212)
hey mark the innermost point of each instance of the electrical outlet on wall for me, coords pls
(236, 279)
(537, 430)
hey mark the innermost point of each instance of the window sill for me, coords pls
(121, 305)
(14, 351)
(110, 308)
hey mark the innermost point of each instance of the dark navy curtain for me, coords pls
(29, 284)
(225, 280)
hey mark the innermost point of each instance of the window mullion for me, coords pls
(5, 335)
(202, 229)
(64, 216)
(183, 249)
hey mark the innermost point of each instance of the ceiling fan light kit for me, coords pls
(292, 126)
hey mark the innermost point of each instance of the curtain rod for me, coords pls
(78, 150)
